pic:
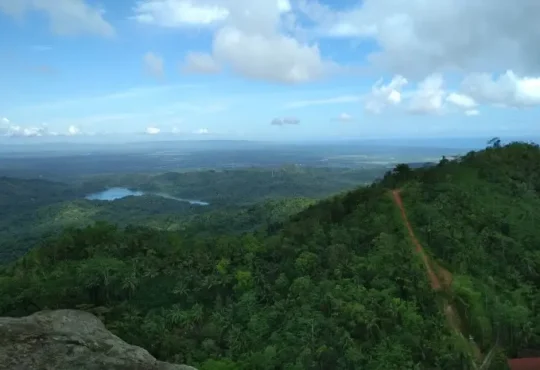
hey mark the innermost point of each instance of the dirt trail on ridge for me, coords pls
(440, 279)
(433, 278)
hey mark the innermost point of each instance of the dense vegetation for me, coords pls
(334, 287)
(242, 186)
(240, 200)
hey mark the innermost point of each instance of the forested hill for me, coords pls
(338, 286)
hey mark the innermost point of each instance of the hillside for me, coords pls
(240, 200)
(337, 286)
(244, 185)
(17, 194)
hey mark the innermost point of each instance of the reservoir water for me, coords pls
(119, 193)
(113, 194)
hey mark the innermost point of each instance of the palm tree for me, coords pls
(495, 142)
(130, 283)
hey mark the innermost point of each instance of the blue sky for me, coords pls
(271, 69)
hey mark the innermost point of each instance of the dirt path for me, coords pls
(433, 278)
(443, 280)
(450, 312)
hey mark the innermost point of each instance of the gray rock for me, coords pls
(69, 340)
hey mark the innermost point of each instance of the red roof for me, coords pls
(531, 363)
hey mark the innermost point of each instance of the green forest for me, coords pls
(240, 200)
(334, 283)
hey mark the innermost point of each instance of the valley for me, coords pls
(204, 201)
(293, 268)
(120, 193)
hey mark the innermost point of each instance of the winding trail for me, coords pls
(433, 278)
(441, 279)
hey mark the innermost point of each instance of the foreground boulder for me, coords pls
(69, 340)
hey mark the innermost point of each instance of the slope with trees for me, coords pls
(240, 200)
(336, 286)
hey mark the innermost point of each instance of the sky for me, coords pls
(269, 69)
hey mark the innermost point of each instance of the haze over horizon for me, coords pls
(279, 70)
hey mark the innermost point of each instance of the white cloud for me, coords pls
(19, 131)
(284, 6)
(249, 39)
(417, 37)
(66, 17)
(152, 130)
(270, 57)
(429, 96)
(472, 112)
(331, 23)
(285, 121)
(335, 100)
(179, 13)
(200, 63)
(201, 131)
(509, 89)
(204, 13)
(7, 128)
(461, 100)
(345, 117)
(382, 96)
(153, 64)
(74, 130)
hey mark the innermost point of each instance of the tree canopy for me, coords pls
(336, 286)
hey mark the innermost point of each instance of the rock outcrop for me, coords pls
(69, 340)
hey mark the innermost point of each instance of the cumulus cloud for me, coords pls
(284, 6)
(383, 96)
(8, 128)
(152, 130)
(461, 100)
(285, 121)
(19, 131)
(74, 130)
(270, 57)
(201, 131)
(204, 63)
(417, 37)
(345, 117)
(153, 64)
(509, 89)
(66, 17)
(179, 13)
(428, 98)
(268, 40)
(249, 38)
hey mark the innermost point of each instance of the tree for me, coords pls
(495, 142)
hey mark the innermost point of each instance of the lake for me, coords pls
(119, 193)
